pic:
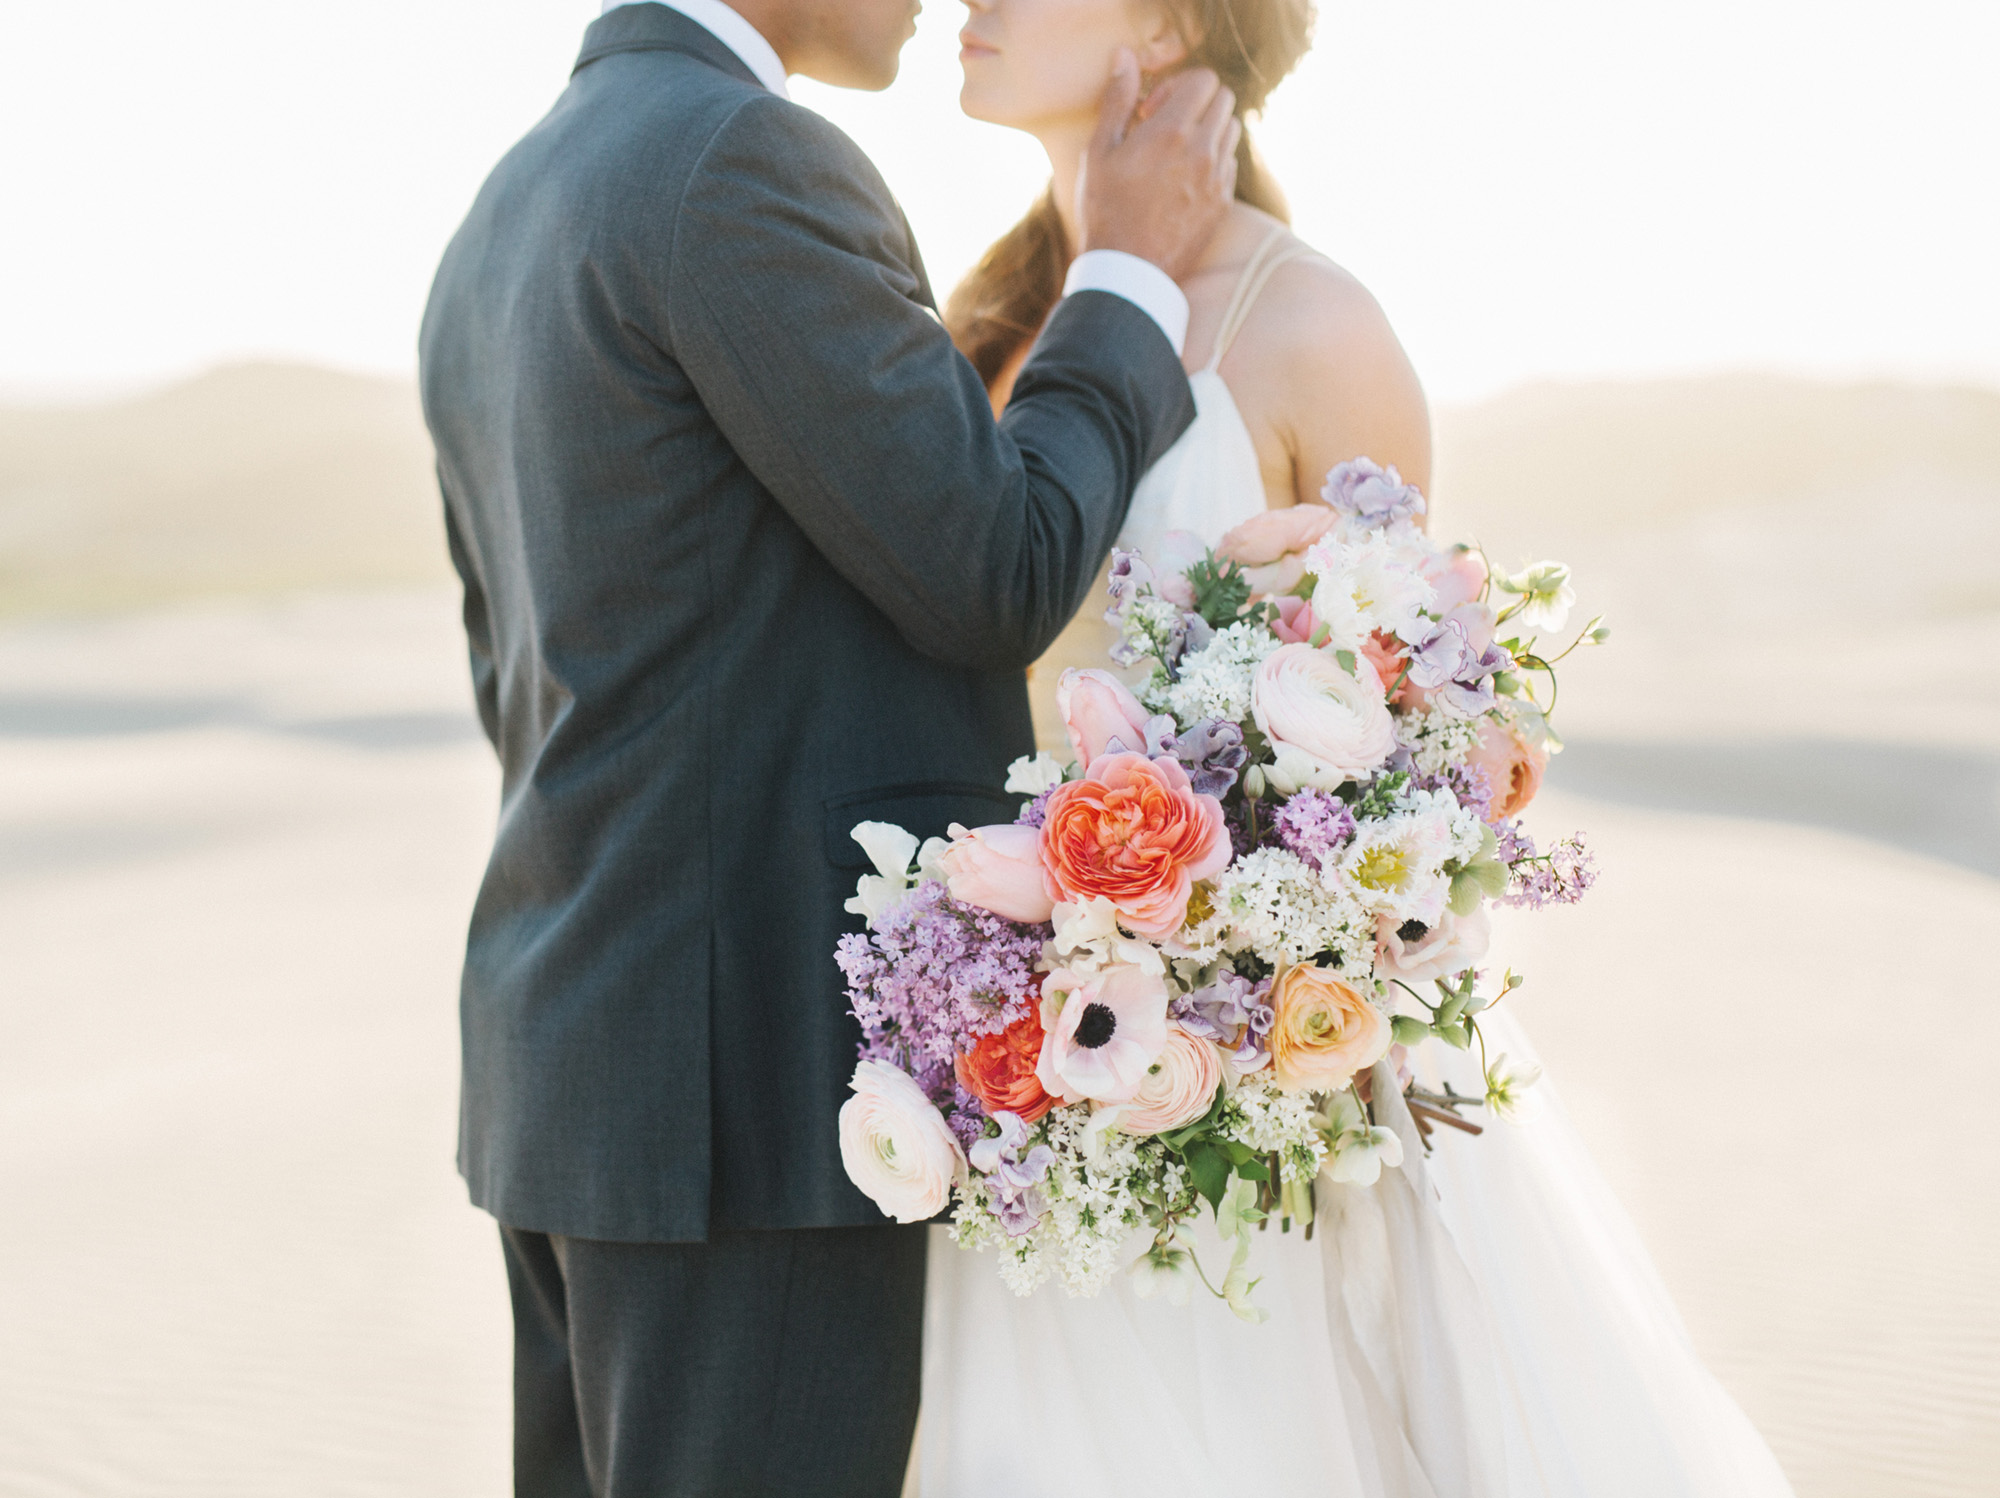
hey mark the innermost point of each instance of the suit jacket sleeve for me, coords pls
(478, 618)
(795, 304)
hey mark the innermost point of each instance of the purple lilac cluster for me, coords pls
(1315, 825)
(1560, 876)
(1468, 786)
(933, 974)
(1036, 811)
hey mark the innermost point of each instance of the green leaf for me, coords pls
(1253, 1169)
(1346, 659)
(1208, 1168)
(1220, 590)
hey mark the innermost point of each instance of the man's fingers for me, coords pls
(1179, 101)
(1225, 176)
(1216, 119)
(1121, 95)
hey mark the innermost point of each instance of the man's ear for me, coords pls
(1160, 47)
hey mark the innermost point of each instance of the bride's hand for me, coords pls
(1157, 180)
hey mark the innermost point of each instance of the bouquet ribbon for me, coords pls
(1409, 1326)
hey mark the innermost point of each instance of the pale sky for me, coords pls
(1533, 188)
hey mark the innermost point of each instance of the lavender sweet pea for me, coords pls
(1230, 1006)
(1214, 755)
(1014, 1182)
(1376, 497)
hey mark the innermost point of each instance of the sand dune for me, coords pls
(238, 842)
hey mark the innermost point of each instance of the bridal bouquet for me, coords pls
(1168, 983)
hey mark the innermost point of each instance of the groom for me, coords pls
(746, 561)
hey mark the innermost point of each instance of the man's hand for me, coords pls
(1157, 179)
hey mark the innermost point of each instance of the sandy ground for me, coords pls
(238, 843)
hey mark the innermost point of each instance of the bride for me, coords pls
(1482, 1323)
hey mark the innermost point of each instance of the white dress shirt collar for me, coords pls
(735, 33)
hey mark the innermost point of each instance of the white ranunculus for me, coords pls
(1366, 585)
(1302, 699)
(896, 1145)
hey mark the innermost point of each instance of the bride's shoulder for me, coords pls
(1317, 355)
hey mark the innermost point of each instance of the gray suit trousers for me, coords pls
(755, 1365)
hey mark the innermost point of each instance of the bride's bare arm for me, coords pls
(1321, 378)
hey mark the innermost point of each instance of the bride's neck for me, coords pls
(1065, 147)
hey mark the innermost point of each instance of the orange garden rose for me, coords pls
(1324, 1031)
(999, 1070)
(1133, 831)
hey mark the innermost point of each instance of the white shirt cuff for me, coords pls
(1140, 282)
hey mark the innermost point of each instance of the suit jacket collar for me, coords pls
(658, 28)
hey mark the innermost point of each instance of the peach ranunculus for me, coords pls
(1098, 709)
(1179, 1086)
(999, 1070)
(896, 1145)
(1302, 699)
(1271, 545)
(1323, 1032)
(1512, 756)
(1102, 1030)
(1133, 831)
(998, 869)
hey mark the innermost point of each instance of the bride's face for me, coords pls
(1037, 64)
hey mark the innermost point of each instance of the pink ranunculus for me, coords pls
(998, 869)
(1457, 574)
(1417, 953)
(1302, 699)
(1512, 757)
(1135, 832)
(1271, 546)
(1101, 1032)
(1179, 1086)
(1097, 708)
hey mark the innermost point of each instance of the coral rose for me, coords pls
(1098, 710)
(999, 1070)
(1133, 831)
(1512, 756)
(1303, 700)
(1179, 1086)
(896, 1145)
(998, 869)
(1324, 1031)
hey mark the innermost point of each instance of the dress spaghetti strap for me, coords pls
(1277, 247)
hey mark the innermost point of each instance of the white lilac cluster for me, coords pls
(1097, 1192)
(1272, 1121)
(1271, 904)
(1149, 626)
(1438, 739)
(1215, 681)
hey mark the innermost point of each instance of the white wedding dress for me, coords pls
(1482, 1323)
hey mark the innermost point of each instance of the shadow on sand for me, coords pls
(1940, 802)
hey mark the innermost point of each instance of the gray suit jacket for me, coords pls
(746, 561)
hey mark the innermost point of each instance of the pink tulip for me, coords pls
(998, 869)
(1458, 575)
(1097, 708)
(1295, 624)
